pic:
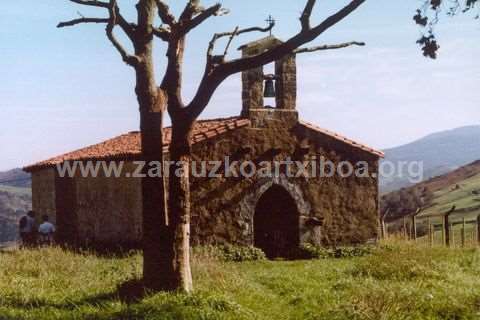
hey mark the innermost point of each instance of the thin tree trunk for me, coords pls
(179, 204)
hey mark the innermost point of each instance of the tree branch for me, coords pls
(93, 3)
(128, 28)
(306, 14)
(233, 34)
(214, 77)
(329, 47)
(164, 13)
(131, 60)
(213, 60)
(201, 17)
(193, 7)
(161, 33)
(291, 45)
(81, 20)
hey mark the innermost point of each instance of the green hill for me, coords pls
(459, 188)
(15, 201)
(464, 195)
(16, 178)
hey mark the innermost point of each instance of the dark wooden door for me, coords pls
(276, 223)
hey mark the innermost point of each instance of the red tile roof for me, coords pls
(128, 146)
(342, 139)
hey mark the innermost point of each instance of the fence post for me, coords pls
(452, 240)
(384, 228)
(430, 233)
(414, 227)
(463, 232)
(446, 230)
(443, 232)
(478, 229)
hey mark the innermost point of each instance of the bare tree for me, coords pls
(166, 236)
(428, 15)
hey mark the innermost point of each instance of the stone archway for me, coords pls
(276, 222)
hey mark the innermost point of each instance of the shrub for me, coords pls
(240, 254)
(229, 253)
(309, 251)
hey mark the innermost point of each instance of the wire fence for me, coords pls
(437, 230)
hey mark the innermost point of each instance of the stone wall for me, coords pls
(108, 210)
(252, 90)
(223, 208)
(286, 84)
(43, 193)
(90, 210)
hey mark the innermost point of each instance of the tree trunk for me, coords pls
(179, 203)
(158, 269)
(157, 235)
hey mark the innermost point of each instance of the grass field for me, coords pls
(466, 199)
(465, 196)
(398, 281)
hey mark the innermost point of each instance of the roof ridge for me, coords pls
(220, 119)
(202, 121)
(343, 138)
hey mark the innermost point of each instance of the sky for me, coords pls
(63, 89)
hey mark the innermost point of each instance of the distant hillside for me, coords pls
(440, 153)
(15, 178)
(15, 200)
(459, 188)
(12, 207)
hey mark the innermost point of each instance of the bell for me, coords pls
(269, 89)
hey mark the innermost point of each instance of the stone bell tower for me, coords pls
(253, 81)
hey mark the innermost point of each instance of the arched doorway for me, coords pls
(276, 223)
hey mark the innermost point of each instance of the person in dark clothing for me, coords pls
(27, 229)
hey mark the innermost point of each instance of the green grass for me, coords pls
(462, 198)
(398, 281)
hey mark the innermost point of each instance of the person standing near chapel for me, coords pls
(27, 229)
(46, 231)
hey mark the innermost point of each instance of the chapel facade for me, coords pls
(275, 212)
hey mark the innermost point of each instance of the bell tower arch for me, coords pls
(254, 80)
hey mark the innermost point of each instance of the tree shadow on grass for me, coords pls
(105, 250)
(105, 306)
(35, 303)
(129, 292)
